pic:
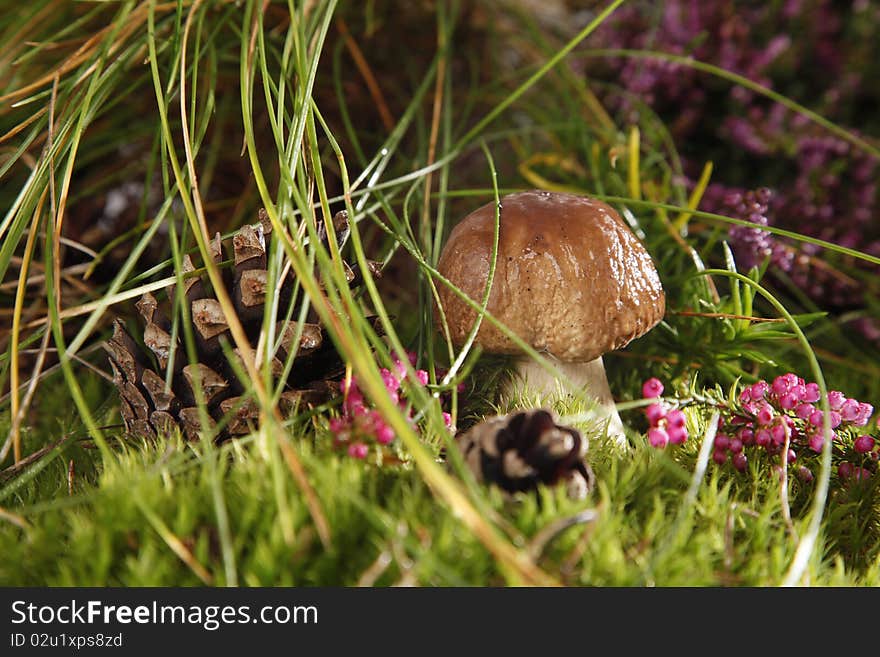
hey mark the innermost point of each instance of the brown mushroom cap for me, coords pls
(571, 279)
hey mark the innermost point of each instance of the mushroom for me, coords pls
(571, 280)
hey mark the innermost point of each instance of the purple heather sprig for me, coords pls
(753, 245)
(769, 415)
(713, 32)
(359, 426)
(822, 186)
(834, 214)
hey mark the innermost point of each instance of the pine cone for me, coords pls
(149, 407)
(521, 450)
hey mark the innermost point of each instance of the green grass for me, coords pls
(115, 525)
(227, 110)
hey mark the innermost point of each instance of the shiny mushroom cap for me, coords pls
(571, 279)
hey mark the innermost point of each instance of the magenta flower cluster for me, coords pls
(783, 414)
(667, 424)
(360, 426)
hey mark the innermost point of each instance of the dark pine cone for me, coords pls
(149, 407)
(521, 450)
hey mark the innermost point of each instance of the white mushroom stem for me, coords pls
(587, 377)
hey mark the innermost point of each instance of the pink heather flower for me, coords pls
(804, 474)
(861, 474)
(816, 418)
(804, 411)
(850, 410)
(658, 437)
(447, 419)
(677, 435)
(422, 376)
(745, 396)
(811, 393)
(735, 446)
(792, 457)
(722, 441)
(762, 437)
(836, 400)
(400, 366)
(834, 418)
(817, 442)
(739, 461)
(354, 402)
(788, 401)
(383, 433)
(652, 388)
(356, 408)
(358, 450)
(849, 471)
(392, 383)
(758, 390)
(780, 386)
(675, 418)
(746, 435)
(719, 456)
(777, 433)
(338, 425)
(865, 413)
(655, 413)
(863, 444)
(765, 415)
